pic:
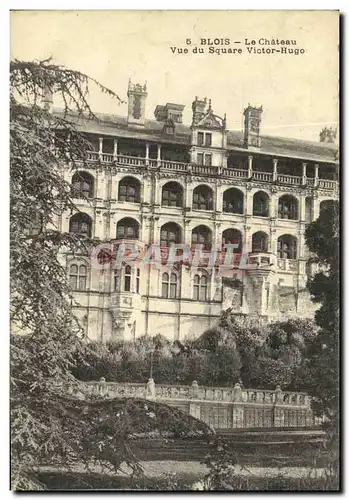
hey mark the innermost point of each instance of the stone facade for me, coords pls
(161, 182)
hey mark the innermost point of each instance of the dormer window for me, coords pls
(204, 139)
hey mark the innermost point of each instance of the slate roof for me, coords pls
(117, 126)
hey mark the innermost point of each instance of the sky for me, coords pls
(299, 93)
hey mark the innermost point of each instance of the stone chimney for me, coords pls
(328, 135)
(198, 108)
(47, 99)
(137, 95)
(253, 118)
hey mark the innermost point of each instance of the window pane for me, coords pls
(82, 270)
(73, 269)
(82, 283)
(165, 277)
(208, 139)
(208, 160)
(196, 292)
(127, 283)
(203, 292)
(73, 280)
(200, 158)
(164, 292)
(200, 138)
(173, 278)
(173, 290)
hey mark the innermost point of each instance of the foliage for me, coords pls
(236, 350)
(45, 337)
(322, 237)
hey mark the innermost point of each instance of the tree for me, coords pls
(322, 237)
(45, 335)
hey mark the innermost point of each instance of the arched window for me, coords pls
(127, 279)
(169, 285)
(288, 207)
(200, 285)
(287, 247)
(127, 228)
(129, 190)
(261, 204)
(82, 185)
(202, 198)
(259, 242)
(80, 224)
(201, 235)
(172, 195)
(170, 233)
(232, 237)
(78, 277)
(233, 201)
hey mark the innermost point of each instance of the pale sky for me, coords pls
(299, 94)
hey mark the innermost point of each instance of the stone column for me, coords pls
(100, 147)
(250, 160)
(147, 153)
(219, 197)
(159, 155)
(238, 408)
(279, 416)
(249, 201)
(115, 154)
(304, 173)
(316, 178)
(151, 392)
(302, 208)
(275, 169)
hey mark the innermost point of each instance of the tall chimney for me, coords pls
(253, 118)
(198, 108)
(137, 95)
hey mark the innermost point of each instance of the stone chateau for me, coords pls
(160, 181)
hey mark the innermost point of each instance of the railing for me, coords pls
(289, 179)
(262, 176)
(327, 184)
(203, 169)
(176, 166)
(234, 172)
(220, 407)
(130, 160)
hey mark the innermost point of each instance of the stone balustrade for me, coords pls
(175, 166)
(220, 407)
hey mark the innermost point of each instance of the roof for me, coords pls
(117, 126)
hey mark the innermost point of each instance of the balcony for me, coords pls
(230, 173)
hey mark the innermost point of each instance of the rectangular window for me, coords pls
(196, 292)
(208, 140)
(203, 292)
(137, 280)
(208, 160)
(200, 158)
(73, 282)
(127, 283)
(200, 138)
(82, 283)
(173, 289)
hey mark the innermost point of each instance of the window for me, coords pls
(232, 237)
(208, 140)
(202, 235)
(202, 198)
(170, 233)
(172, 195)
(204, 159)
(204, 139)
(287, 247)
(200, 287)
(288, 208)
(78, 277)
(129, 190)
(261, 204)
(259, 242)
(82, 185)
(81, 225)
(127, 279)
(233, 201)
(127, 228)
(208, 160)
(138, 274)
(169, 285)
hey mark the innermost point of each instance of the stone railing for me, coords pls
(220, 407)
(175, 166)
